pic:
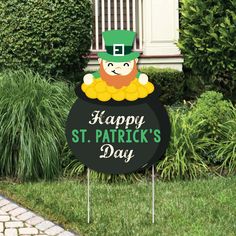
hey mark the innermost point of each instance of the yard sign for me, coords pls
(117, 125)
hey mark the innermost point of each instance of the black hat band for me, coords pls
(119, 50)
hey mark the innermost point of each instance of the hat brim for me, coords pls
(108, 57)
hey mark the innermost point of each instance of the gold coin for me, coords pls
(135, 82)
(142, 92)
(91, 93)
(94, 82)
(131, 96)
(84, 87)
(118, 96)
(104, 96)
(131, 88)
(123, 89)
(149, 87)
(100, 86)
(111, 89)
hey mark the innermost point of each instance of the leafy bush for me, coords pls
(170, 83)
(195, 85)
(49, 37)
(225, 148)
(183, 160)
(202, 136)
(219, 129)
(32, 119)
(208, 38)
(211, 108)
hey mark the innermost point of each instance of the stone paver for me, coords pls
(9, 207)
(4, 218)
(25, 216)
(14, 224)
(35, 220)
(29, 231)
(17, 211)
(44, 225)
(3, 202)
(2, 213)
(18, 221)
(10, 232)
(55, 230)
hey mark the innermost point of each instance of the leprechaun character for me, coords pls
(118, 77)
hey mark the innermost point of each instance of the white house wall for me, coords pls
(161, 27)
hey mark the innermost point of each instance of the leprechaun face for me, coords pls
(118, 74)
(118, 68)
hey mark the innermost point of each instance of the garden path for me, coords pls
(16, 220)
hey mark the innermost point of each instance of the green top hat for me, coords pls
(119, 44)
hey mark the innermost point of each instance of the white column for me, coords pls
(121, 15)
(96, 24)
(103, 22)
(109, 13)
(160, 27)
(134, 22)
(140, 25)
(115, 13)
(128, 14)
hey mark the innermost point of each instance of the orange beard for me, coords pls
(118, 81)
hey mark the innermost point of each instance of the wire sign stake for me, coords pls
(153, 194)
(88, 194)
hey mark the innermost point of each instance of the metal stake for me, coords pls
(88, 194)
(153, 194)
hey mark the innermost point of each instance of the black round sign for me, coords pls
(118, 137)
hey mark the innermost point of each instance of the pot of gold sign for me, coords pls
(117, 125)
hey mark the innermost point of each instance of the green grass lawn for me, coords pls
(201, 207)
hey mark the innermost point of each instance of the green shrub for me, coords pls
(170, 83)
(212, 108)
(218, 128)
(208, 37)
(225, 148)
(32, 120)
(195, 85)
(49, 37)
(202, 136)
(182, 159)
